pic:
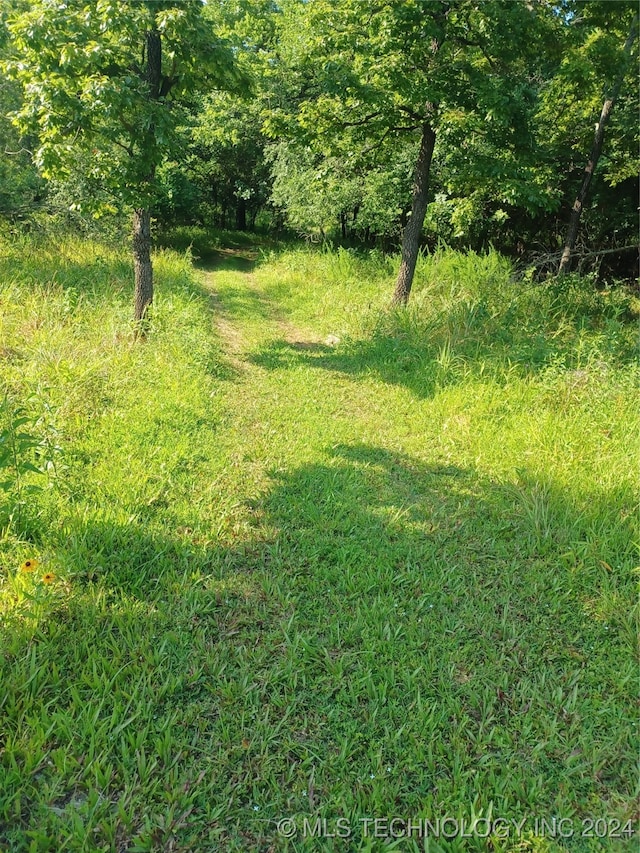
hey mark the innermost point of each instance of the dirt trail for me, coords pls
(240, 264)
(229, 333)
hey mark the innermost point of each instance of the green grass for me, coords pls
(387, 573)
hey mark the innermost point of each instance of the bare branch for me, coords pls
(362, 121)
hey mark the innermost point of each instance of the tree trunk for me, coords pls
(142, 265)
(153, 71)
(413, 230)
(241, 215)
(143, 269)
(594, 156)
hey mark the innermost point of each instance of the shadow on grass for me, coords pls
(237, 302)
(232, 250)
(423, 356)
(383, 357)
(368, 523)
(379, 512)
(375, 605)
(223, 260)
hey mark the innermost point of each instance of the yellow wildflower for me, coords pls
(48, 578)
(29, 565)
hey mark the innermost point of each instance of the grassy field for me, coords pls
(297, 556)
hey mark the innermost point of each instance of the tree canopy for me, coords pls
(401, 123)
(106, 86)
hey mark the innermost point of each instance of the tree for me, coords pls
(367, 78)
(611, 95)
(106, 83)
(357, 198)
(227, 159)
(20, 185)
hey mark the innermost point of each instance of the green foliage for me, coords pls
(327, 195)
(28, 446)
(593, 62)
(512, 89)
(370, 85)
(226, 161)
(82, 72)
(20, 186)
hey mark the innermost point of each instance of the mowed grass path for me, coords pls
(315, 563)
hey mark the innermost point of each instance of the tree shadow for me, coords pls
(202, 240)
(383, 515)
(236, 301)
(424, 356)
(242, 303)
(379, 612)
(219, 249)
(230, 260)
(386, 358)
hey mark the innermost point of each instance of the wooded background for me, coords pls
(505, 123)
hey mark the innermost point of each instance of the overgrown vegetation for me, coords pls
(305, 556)
(307, 115)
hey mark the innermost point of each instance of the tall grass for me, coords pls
(468, 309)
